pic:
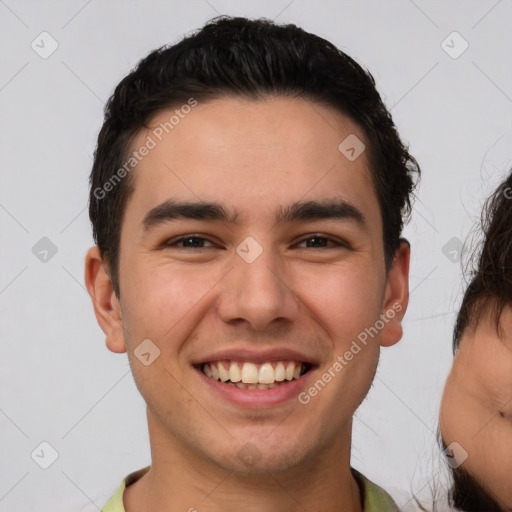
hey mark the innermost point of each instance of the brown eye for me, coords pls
(189, 242)
(322, 242)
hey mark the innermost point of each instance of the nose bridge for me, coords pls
(257, 289)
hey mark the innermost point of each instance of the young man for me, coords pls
(247, 198)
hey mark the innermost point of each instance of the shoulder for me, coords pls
(115, 504)
(375, 499)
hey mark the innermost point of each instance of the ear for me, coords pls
(106, 305)
(396, 297)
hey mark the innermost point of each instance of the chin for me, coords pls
(259, 458)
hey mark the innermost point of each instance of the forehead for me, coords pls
(252, 152)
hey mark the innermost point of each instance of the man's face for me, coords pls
(476, 410)
(268, 286)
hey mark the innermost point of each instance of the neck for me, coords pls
(182, 480)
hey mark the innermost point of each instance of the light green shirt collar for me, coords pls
(375, 498)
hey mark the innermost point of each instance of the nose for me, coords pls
(258, 293)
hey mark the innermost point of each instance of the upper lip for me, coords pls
(255, 356)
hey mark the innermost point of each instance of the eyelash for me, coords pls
(174, 243)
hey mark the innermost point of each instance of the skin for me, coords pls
(253, 157)
(476, 409)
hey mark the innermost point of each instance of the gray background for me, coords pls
(59, 383)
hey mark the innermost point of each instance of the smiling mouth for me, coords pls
(247, 375)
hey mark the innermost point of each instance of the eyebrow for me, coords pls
(301, 211)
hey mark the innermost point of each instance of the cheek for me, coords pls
(347, 303)
(159, 298)
(346, 298)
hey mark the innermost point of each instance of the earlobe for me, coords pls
(396, 297)
(106, 306)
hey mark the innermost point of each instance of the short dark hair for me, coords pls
(252, 59)
(490, 264)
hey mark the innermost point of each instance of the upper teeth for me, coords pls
(250, 373)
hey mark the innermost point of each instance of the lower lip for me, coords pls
(258, 398)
